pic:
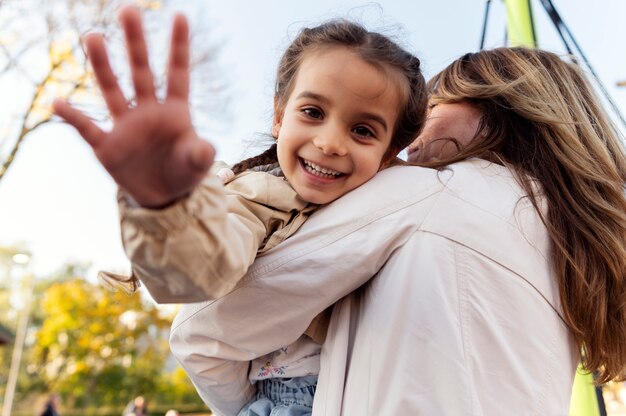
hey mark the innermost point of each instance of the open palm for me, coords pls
(152, 151)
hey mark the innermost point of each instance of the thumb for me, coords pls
(201, 155)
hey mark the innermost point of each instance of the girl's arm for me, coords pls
(196, 249)
(201, 247)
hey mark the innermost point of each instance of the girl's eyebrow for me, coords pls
(369, 116)
(376, 118)
(315, 96)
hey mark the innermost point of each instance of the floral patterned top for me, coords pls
(301, 358)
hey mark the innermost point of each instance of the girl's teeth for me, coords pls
(318, 170)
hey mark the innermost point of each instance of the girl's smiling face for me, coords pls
(336, 126)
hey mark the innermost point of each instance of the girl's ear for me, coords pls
(278, 118)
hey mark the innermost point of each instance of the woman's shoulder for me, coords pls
(466, 177)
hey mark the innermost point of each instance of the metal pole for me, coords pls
(18, 346)
(560, 24)
(485, 21)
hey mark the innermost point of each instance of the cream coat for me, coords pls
(462, 318)
(200, 247)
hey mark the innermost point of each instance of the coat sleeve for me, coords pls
(196, 249)
(338, 249)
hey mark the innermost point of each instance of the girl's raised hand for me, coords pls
(152, 151)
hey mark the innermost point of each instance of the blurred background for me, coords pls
(61, 332)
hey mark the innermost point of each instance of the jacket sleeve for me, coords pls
(196, 249)
(335, 252)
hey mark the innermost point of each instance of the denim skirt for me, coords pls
(282, 397)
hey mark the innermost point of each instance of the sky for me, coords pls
(59, 203)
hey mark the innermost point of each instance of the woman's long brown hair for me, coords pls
(542, 118)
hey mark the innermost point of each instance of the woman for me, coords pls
(493, 273)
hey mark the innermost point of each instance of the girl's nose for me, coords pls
(331, 142)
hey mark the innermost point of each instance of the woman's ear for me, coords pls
(278, 118)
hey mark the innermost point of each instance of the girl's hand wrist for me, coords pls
(150, 203)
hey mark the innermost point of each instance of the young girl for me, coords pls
(346, 102)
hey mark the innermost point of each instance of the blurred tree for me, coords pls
(175, 387)
(97, 347)
(41, 58)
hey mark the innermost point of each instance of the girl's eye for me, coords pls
(312, 112)
(364, 131)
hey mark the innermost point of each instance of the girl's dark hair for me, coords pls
(542, 118)
(373, 48)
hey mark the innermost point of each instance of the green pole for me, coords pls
(584, 401)
(520, 26)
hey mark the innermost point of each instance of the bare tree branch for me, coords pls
(25, 129)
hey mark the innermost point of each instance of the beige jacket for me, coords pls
(201, 247)
(463, 316)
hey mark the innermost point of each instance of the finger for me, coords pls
(178, 67)
(92, 134)
(113, 96)
(143, 79)
(201, 155)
